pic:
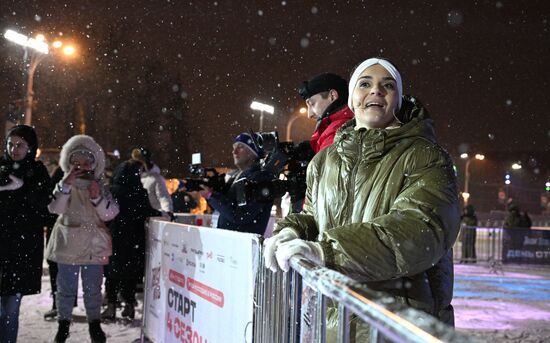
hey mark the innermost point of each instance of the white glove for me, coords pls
(272, 243)
(15, 183)
(309, 250)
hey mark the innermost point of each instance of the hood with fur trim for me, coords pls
(82, 142)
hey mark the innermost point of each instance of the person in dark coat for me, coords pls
(127, 264)
(253, 216)
(468, 235)
(24, 197)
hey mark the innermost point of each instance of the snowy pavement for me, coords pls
(510, 306)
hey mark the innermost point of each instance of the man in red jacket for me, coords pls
(326, 97)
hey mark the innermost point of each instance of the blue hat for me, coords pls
(256, 144)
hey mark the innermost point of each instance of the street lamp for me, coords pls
(466, 194)
(262, 108)
(300, 114)
(36, 49)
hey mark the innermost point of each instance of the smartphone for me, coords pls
(87, 175)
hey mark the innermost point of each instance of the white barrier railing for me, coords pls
(210, 285)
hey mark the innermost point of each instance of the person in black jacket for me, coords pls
(127, 264)
(254, 216)
(24, 197)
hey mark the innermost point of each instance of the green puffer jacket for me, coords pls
(384, 206)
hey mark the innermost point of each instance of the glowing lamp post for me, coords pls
(258, 106)
(466, 193)
(36, 49)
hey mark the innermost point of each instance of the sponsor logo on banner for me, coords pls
(209, 255)
(177, 278)
(220, 258)
(184, 249)
(208, 293)
(198, 252)
(190, 263)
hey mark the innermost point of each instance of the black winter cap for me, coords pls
(323, 83)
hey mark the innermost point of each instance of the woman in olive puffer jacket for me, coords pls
(382, 203)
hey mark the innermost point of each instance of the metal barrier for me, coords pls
(496, 246)
(316, 304)
(292, 307)
(479, 244)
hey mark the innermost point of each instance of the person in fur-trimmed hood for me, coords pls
(80, 240)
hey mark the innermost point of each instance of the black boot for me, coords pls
(129, 311)
(97, 335)
(110, 312)
(62, 331)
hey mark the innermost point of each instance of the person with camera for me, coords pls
(24, 197)
(154, 183)
(253, 216)
(80, 241)
(382, 202)
(326, 96)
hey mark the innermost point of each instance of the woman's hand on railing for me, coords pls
(272, 244)
(309, 250)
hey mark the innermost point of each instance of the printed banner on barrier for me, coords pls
(526, 246)
(208, 284)
(154, 295)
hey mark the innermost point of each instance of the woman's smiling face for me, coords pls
(375, 98)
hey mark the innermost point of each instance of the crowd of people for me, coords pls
(381, 206)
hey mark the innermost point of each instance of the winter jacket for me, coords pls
(23, 212)
(80, 235)
(327, 127)
(383, 204)
(253, 216)
(154, 183)
(128, 228)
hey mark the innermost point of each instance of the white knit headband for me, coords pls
(370, 62)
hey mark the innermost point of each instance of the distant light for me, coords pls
(465, 195)
(464, 156)
(69, 50)
(303, 110)
(516, 166)
(38, 153)
(547, 184)
(25, 41)
(57, 44)
(507, 182)
(507, 176)
(480, 157)
(40, 37)
(262, 107)
(116, 153)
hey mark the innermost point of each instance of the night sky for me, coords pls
(480, 67)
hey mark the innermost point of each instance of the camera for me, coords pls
(202, 176)
(287, 162)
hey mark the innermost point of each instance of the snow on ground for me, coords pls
(512, 305)
(33, 328)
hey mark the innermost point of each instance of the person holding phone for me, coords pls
(80, 241)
